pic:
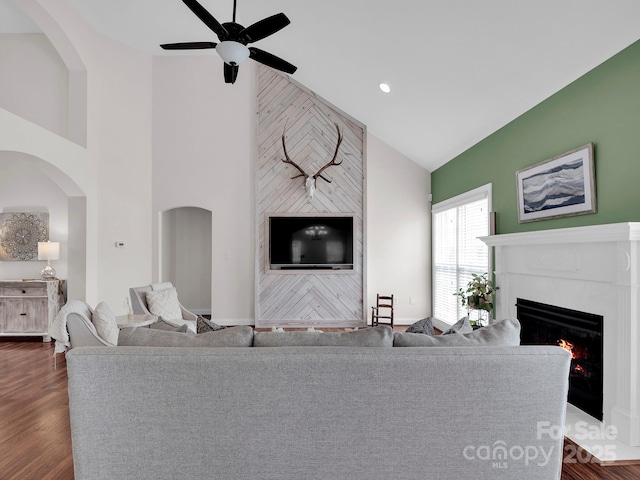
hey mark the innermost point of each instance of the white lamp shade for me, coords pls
(48, 250)
(233, 53)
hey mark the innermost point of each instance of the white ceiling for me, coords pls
(12, 20)
(459, 69)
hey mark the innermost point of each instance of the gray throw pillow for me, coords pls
(241, 336)
(162, 324)
(505, 333)
(461, 326)
(380, 336)
(206, 325)
(424, 326)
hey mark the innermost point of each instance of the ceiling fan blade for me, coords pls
(207, 18)
(188, 45)
(271, 60)
(264, 27)
(230, 73)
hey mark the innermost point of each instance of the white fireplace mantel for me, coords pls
(592, 269)
(609, 232)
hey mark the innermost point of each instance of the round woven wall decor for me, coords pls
(20, 234)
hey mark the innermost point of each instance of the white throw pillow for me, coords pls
(105, 322)
(164, 303)
(161, 286)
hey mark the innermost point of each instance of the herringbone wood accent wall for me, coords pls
(307, 299)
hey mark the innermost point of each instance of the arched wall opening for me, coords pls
(39, 68)
(185, 257)
(46, 164)
(31, 184)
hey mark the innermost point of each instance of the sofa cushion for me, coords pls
(380, 336)
(241, 336)
(162, 324)
(164, 303)
(461, 326)
(424, 326)
(504, 333)
(105, 322)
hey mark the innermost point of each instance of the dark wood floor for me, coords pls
(35, 441)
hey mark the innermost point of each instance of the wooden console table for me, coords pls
(28, 307)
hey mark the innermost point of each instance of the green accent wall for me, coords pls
(602, 107)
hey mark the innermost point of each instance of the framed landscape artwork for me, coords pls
(559, 187)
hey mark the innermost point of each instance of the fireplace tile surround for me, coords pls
(594, 269)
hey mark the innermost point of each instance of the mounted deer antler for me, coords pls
(310, 180)
(333, 160)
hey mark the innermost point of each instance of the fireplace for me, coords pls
(578, 332)
(593, 269)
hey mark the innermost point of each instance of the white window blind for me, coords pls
(457, 252)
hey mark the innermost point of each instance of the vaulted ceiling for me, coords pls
(458, 69)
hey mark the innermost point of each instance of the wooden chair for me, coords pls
(382, 310)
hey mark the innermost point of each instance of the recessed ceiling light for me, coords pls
(385, 87)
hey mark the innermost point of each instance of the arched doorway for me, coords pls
(29, 183)
(185, 255)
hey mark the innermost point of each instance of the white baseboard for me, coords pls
(233, 321)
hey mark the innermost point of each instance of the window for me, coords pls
(457, 252)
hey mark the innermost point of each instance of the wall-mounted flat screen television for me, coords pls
(310, 243)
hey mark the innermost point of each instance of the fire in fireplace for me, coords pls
(578, 332)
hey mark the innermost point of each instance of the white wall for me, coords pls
(119, 137)
(398, 231)
(204, 155)
(119, 144)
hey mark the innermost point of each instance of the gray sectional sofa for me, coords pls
(341, 406)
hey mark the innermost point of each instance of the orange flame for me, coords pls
(567, 346)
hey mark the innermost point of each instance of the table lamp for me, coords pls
(48, 251)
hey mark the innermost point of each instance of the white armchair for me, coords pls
(82, 331)
(73, 327)
(140, 304)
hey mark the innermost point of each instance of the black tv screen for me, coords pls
(304, 243)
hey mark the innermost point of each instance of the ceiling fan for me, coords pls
(234, 39)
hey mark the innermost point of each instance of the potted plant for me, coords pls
(478, 296)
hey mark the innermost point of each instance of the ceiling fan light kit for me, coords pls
(234, 39)
(233, 53)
